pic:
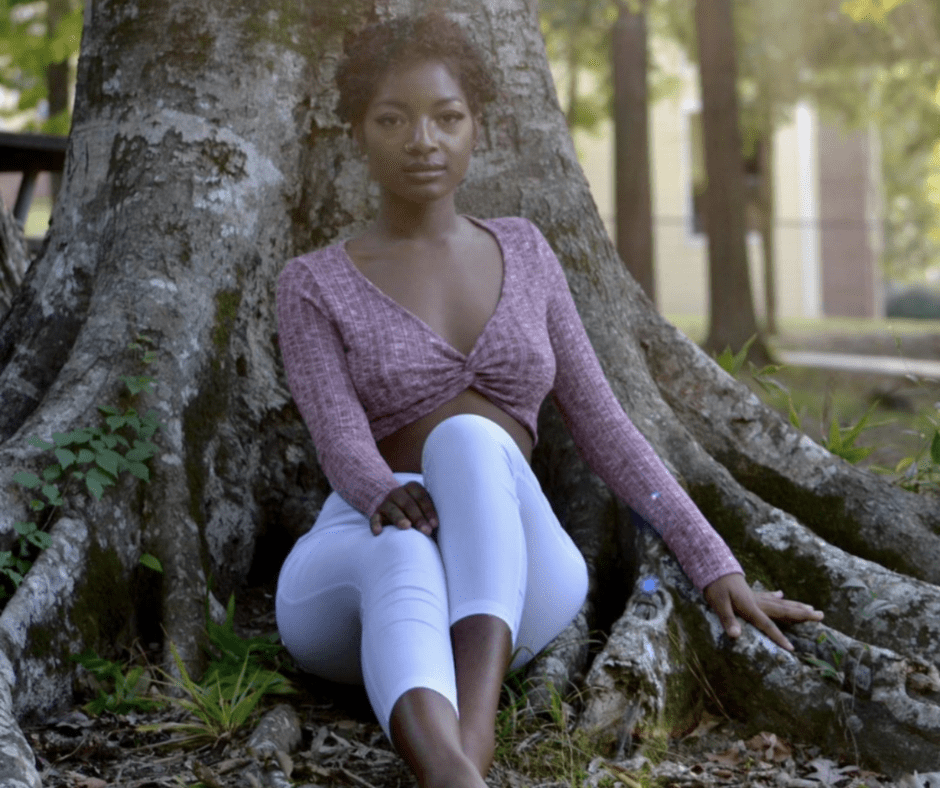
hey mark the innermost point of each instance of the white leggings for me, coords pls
(357, 608)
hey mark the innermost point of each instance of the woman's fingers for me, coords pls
(718, 596)
(730, 596)
(776, 607)
(750, 611)
(408, 506)
(421, 497)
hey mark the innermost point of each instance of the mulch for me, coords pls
(76, 751)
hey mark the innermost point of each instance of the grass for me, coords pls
(899, 424)
(547, 749)
(37, 222)
(796, 328)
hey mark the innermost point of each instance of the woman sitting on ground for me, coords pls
(419, 354)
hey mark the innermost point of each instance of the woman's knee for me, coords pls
(464, 439)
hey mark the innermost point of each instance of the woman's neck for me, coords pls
(431, 221)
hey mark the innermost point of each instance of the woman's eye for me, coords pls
(386, 121)
(451, 117)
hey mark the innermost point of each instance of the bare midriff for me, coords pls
(402, 449)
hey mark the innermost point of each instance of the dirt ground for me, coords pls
(341, 745)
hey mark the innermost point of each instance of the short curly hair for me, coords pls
(376, 49)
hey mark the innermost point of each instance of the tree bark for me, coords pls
(205, 153)
(732, 321)
(14, 258)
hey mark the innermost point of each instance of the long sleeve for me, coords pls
(319, 379)
(615, 449)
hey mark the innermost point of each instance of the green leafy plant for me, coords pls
(230, 654)
(241, 673)
(831, 668)
(920, 472)
(93, 456)
(218, 713)
(841, 440)
(14, 564)
(122, 689)
(731, 362)
(218, 706)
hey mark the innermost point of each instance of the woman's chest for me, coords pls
(453, 292)
(393, 355)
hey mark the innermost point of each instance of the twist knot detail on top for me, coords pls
(360, 367)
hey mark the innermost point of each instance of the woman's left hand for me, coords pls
(730, 595)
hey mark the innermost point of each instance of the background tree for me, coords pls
(894, 49)
(204, 152)
(38, 44)
(607, 41)
(732, 321)
(633, 197)
(577, 40)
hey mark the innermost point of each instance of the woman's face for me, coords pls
(418, 132)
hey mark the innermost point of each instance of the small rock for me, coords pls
(915, 780)
(278, 730)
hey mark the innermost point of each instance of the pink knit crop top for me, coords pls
(360, 366)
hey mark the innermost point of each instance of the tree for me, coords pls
(204, 153)
(732, 321)
(38, 41)
(634, 205)
(608, 41)
(13, 256)
(895, 46)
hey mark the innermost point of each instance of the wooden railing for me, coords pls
(30, 154)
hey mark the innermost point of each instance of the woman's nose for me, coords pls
(422, 138)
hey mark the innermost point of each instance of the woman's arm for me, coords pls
(613, 446)
(624, 459)
(319, 380)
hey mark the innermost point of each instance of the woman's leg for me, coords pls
(469, 472)
(482, 647)
(427, 734)
(514, 576)
(357, 608)
(353, 607)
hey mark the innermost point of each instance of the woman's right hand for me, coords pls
(408, 506)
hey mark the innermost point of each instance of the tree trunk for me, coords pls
(732, 321)
(14, 258)
(632, 149)
(204, 153)
(58, 77)
(767, 212)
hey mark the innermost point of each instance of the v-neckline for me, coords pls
(357, 274)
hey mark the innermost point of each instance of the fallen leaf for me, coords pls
(771, 748)
(730, 757)
(827, 772)
(206, 775)
(706, 725)
(81, 781)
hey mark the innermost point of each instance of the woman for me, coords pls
(418, 354)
